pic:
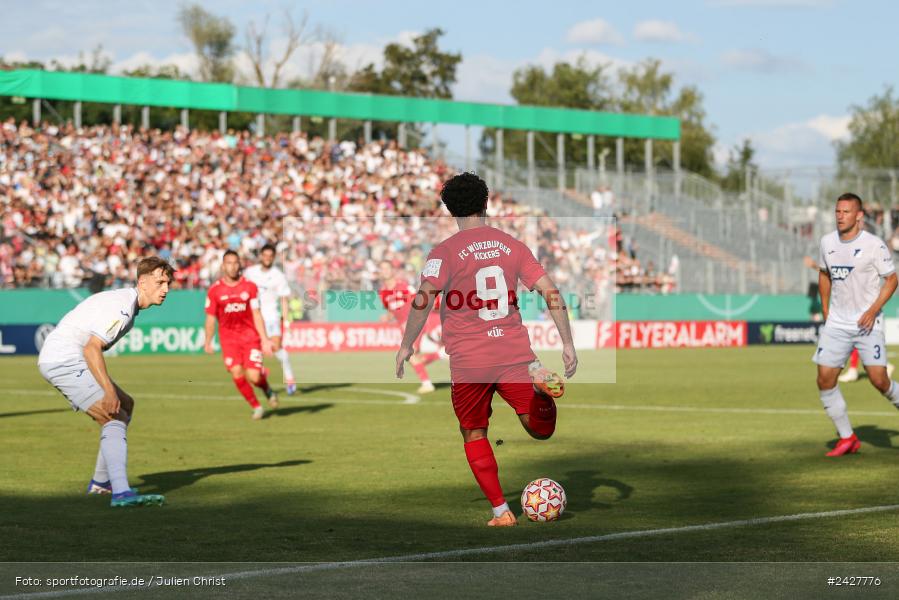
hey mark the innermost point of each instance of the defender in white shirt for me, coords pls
(274, 291)
(856, 279)
(71, 359)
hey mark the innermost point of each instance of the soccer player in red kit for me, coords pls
(396, 296)
(477, 271)
(234, 302)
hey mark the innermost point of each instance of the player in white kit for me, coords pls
(274, 290)
(856, 279)
(71, 359)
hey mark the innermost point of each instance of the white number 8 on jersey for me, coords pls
(500, 292)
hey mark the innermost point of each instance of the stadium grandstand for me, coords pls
(82, 201)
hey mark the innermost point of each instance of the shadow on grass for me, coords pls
(26, 413)
(291, 410)
(167, 481)
(581, 488)
(874, 435)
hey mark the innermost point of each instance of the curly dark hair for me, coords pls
(464, 195)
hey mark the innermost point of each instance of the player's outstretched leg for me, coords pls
(541, 417)
(545, 381)
(486, 472)
(880, 379)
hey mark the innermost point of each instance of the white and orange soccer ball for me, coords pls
(543, 500)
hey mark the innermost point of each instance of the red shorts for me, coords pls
(472, 392)
(247, 354)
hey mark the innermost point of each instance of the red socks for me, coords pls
(246, 390)
(853, 359)
(542, 415)
(421, 372)
(262, 384)
(483, 465)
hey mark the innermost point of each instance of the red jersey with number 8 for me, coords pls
(478, 270)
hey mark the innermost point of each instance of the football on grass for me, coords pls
(543, 500)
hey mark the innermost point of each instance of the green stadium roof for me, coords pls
(88, 87)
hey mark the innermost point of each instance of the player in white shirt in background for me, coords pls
(274, 291)
(71, 359)
(852, 263)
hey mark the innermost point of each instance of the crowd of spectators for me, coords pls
(80, 206)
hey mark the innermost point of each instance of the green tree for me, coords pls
(169, 71)
(421, 70)
(642, 89)
(873, 135)
(213, 41)
(740, 160)
(647, 89)
(577, 85)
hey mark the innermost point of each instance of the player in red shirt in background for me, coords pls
(396, 296)
(477, 271)
(234, 302)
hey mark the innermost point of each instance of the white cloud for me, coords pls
(720, 154)
(185, 61)
(834, 128)
(661, 31)
(803, 143)
(760, 61)
(596, 31)
(483, 78)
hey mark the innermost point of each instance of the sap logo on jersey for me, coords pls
(235, 307)
(840, 273)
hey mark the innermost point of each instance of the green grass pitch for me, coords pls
(347, 472)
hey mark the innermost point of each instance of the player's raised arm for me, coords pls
(418, 316)
(559, 313)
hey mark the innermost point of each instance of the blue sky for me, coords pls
(780, 72)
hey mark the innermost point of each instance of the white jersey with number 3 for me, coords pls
(856, 267)
(273, 286)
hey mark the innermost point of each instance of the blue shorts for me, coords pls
(835, 346)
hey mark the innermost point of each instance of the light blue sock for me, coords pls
(114, 446)
(101, 474)
(835, 407)
(893, 394)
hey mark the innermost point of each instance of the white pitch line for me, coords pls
(462, 552)
(713, 409)
(409, 399)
